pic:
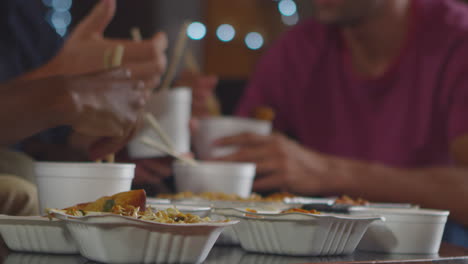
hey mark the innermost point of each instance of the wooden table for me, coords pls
(234, 255)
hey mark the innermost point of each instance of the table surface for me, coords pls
(235, 255)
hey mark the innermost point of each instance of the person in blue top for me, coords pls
(30, 50)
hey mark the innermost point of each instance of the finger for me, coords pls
(138, 126)
(105, 146)
(267, 166)
(119, 73)
(123, 73)
(271, 182)
(98, 19)
(99, 149)
(151, 49)
(145, 68)
(100, 126)
(138, 98)
(243, 139)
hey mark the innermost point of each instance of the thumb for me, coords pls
(98, 19)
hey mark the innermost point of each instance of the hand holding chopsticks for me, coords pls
(113, 58)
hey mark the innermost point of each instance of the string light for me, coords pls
(196, 31)
(290, 20)
(287, 7)
(225, 32)
(59, 16)
(254, 40)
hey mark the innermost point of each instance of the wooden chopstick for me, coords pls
(159, 130)
(136, 34)
(117, 56)
(192, 65)
(190, 62)
(176, 56)
(113, 58)
(154, 144)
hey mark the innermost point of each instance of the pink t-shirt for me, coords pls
(405, 118)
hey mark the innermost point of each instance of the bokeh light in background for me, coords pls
(225, 32)
(59, 16)
(47, 3)
(254, 40)
(287, 7)
(60, 20)
(61, 5)
(290, 20)
(196, 31)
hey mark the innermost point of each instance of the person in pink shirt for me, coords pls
(373, 96)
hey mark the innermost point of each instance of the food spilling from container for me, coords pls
(122, 228)
(118, 229)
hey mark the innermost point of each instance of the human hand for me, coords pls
(84, 50)
(203, 100)
(105, 109)
(282, 164)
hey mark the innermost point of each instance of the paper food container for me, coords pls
(172, 109)
(61, 184)
(227, 177)
(214, 128)
(119, 239)
(36, 234)
(228, 237)
(405, 231)
(298, 234)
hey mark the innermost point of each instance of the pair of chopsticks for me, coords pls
(167, 147)
(113, 58)
(176, 56)
(191, 64)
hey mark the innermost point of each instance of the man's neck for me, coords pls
(376, 42)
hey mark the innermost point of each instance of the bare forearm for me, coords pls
(438, 188)
(30, 107)
(52, 68)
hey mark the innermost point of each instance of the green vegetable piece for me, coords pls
(108, 205)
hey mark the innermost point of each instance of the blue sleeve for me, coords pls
(28, 41)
